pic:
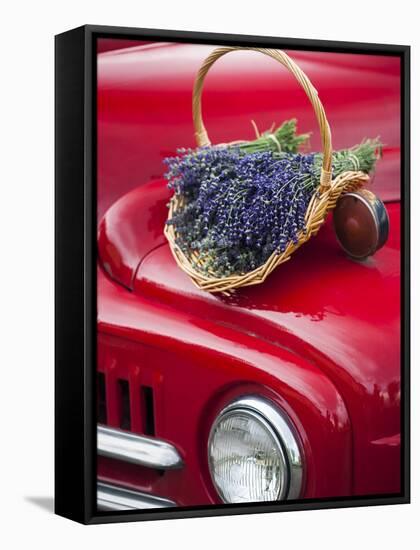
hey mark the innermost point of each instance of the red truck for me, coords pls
(306, 364)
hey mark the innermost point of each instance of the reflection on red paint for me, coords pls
(321, 337)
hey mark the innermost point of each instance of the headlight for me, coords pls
(253, 453)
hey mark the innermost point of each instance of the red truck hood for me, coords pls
(342, 313)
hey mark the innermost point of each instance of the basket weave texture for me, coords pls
(323, 200)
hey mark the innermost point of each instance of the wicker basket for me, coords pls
(323, 199)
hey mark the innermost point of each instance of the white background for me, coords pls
(26, 256)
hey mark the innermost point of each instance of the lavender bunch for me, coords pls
(240, 207)
(361, 157)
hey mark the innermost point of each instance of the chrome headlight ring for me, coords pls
(264, 444)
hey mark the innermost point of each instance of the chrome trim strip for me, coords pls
(113, 498)
(137, 449)
(282, 427)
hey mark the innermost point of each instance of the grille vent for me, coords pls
(120, 405)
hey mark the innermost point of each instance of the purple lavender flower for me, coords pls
(240, 208)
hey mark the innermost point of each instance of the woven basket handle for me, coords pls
(201, 132)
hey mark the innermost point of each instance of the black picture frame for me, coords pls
(75, 268)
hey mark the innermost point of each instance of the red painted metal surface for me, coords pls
(131, 229)
(144, 107)
(334, 317)
(197, 366)
(113, 44)
(321, 337)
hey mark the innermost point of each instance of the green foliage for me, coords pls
(284, 139)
